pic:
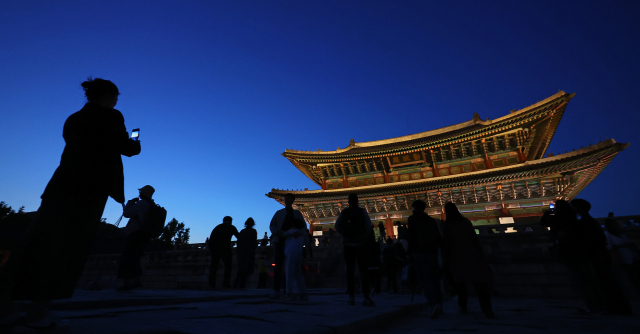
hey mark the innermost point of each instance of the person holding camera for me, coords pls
(130, 269)
(73, 201)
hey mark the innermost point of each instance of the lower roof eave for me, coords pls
(484, 176)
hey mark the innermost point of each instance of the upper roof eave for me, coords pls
(468, 124)
(506, 169)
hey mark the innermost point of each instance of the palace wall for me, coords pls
(522, 262)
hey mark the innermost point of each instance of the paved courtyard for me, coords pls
(231, 311)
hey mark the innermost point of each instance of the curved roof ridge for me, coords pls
(474, 121)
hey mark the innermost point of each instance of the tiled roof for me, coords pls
(557, 164)
(425, 138)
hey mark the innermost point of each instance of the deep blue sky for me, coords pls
(221, 88)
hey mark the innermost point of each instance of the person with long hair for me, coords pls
(465, 258)
(73, 201)
(246, 253)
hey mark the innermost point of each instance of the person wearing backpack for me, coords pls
(137, 210)
(355, 226)
(424, 243)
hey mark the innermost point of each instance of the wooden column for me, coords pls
(435, 167)
(487, 162)
(388, 225)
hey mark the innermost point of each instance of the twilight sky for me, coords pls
(220, 89)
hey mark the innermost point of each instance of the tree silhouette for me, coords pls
(174, 233)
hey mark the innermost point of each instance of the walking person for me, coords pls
(220, 248)
(355, 226)
(595, 245)
(130, 269)
(73, 201)
(461, 249)
(424, 243)
(246, 253)
(295, 239)
(282, 221)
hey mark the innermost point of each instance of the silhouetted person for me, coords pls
(130, 269)
(403, 235)
(282, 221)
(461, 249)
(355, 226)
(262, 269)
(595, 245)
(564, 227)
(220, 247)
(383, 231)
(624, 251)
(391, 264)
(374, 264)
(72, 204)
(424, 243)
(246, 253)
(295, 239)
(265, 240)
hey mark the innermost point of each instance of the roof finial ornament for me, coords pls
(352, 142)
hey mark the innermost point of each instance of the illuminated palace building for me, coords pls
(494, 170)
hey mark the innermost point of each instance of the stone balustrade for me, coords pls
(521, 256)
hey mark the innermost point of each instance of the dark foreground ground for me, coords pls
(249, 311)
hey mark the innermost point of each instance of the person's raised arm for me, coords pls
(132, 208)
(125, 145)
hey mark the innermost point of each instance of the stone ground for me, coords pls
(147, 311)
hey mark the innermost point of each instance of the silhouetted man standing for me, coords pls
(355, 226)
(220, 247)
(282, 221)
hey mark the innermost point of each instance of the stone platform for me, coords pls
(147, 311)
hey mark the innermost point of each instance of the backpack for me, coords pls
(154, 220)
(354, 224)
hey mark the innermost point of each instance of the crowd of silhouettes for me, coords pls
(582, 246)
(424, 255)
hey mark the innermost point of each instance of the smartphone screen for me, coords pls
(135, 134)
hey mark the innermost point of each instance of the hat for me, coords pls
(147, 191)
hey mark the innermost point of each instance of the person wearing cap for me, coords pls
(136, 210)
(220, 247)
